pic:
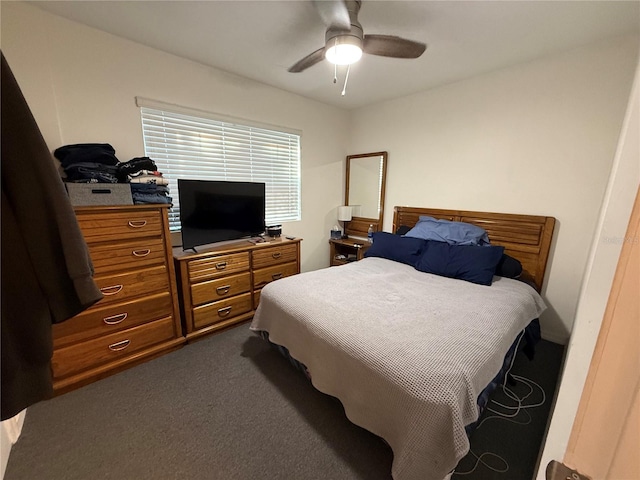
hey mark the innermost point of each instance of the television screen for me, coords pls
(214, 211)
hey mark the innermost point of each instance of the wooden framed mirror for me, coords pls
(364, 192)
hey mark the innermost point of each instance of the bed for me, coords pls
(409, 353)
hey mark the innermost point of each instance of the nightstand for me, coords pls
(345, 250)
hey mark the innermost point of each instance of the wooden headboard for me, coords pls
(525, 237)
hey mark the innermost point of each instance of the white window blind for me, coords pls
(205, 148)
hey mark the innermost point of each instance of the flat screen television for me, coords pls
(213, 211)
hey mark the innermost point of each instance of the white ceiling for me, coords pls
(262, 39)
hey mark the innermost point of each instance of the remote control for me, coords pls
(290, 238)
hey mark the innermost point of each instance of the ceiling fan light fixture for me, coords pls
(345, 41)
(344, 50)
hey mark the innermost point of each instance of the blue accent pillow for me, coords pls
(454, 233)
(394, 247)
(465, 262)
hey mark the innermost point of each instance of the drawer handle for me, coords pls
(223, 312)
(276, 276)
(141, 253)
(221, 265)
(115, 319)
(223, 290)
(116, 347)
(108, 290)
(276, 254)
(137, 223)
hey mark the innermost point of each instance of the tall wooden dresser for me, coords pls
(138, 318)
(221, 286)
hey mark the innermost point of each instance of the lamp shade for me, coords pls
(344, 214)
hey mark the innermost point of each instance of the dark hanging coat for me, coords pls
(46, 268)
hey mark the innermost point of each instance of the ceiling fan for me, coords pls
(345, 40)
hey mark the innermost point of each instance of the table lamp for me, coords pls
(344, 216)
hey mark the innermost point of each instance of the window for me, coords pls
(191, 144)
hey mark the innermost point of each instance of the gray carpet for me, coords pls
(517, 442)
(226, 407)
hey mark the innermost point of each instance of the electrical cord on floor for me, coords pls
(509, 417)
(521, 406)
(479, 460)
(517, 409)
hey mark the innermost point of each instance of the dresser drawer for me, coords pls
(222, 310)
(274, 255)
(124, 286)
(118, 226)
(76, 358)
(213, 290)
(111, 318)
(214, 267)
(128, 255)
(265, 275)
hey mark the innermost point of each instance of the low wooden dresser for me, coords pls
(221, 286)
(138, 318)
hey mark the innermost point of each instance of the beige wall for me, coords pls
(10, 430)
(605, 250)
(81, 83)
(538, 138)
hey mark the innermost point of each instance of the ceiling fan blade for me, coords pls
(392, 46)
(308, 61)
(334, 14)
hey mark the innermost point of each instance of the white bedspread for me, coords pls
(407, 353)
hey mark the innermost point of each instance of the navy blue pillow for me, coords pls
(465, 262)
(509, 267)
(394, 247)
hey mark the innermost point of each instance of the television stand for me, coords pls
(221, 286)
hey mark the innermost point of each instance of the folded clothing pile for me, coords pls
(147, 183)
(90, 163)
(97, 163)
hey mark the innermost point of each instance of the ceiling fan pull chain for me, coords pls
(346, 79)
